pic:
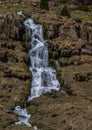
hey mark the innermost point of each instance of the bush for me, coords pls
(83, 8)
(44, 4)
(65, 12)
(63, 1)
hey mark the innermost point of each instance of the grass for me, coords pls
(84, 17)
(41, 126)
(14, 7)
(18, 6)
(63, 61)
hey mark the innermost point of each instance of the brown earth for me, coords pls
(70, 43)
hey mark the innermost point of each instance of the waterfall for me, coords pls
(23, 116)
(43, 77)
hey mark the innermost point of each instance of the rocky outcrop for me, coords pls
(70, 45)
(14, 80)
(87, 2)
(12, 27)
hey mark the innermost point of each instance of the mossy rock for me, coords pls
(51, 62)
(83, 8)
(26, 46)
(63, 61)
(60, 77)
(31, 109)
(41, 126)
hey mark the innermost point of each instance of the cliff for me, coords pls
(69, 43)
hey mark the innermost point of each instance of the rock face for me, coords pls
(88, 2)
(70, 46)
(12, 27)
(14, 80)
(69, 39)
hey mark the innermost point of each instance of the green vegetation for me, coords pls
(41, 126)
(52, 63)
(44, 4)
(65, 12)
(63, 1)
(63, 61)
(14, 7)
(83, 8)
(28, 85)
(31, 109)
(18, 6)
(60, 77)
(85, 17)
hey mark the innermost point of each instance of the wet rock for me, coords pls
(86, 51)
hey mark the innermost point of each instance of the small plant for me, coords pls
(65, 12)
(83, 8)
(44, 4)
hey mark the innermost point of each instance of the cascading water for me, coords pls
(43, 77)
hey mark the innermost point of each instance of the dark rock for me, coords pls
(78, 30)
(53, 31)
(66, 53)
(12, 27)
(54, 115)
(80, 77)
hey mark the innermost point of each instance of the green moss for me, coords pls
(63, 61)
(31, 109)
(3, 37)
(65, 12)
(36, 20)
(83, 8)
(28, 85)
(51, 63)
(45, 29)
(44, 4)
(26, 46)
(41, 126)
(66, 87)
(22, 104)
(60, 77)
(90, 7)
(17, 7)
(84, 18)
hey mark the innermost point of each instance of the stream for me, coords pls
(43, 77)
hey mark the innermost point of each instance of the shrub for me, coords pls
(65, 12)
(83, 8)
(44, 4)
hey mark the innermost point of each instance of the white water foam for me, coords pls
(43, 77)
(23, 116)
